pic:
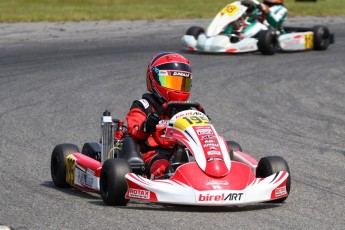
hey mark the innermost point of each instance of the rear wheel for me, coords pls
(267, 42)
(58, 163)
(270, 165)
(113, 185)
(322, 37)
(233, 145)
(195, 31)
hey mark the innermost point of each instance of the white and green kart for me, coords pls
(248, 35)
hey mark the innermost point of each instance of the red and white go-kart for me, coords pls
(205, 169)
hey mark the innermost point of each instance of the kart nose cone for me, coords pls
(216, 167)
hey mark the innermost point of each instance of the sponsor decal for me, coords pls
(217, 182)
(211, 145)
(81, 177)
(198, 113)
(184, 114)
(292, 43)
(215, 159)
(214, 153)
(208, 137)
(90, 172)
(162, 72)
(209, 141)
(86, 177)
(280, 191)
(145, 103)
(236, 196)
(163, 122)
(89, 180)
(89, 177)
(138, 193)
(204, 131)
(182, 74)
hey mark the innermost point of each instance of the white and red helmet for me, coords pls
(169, 76)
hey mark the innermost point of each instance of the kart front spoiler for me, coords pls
(218, 44)
(220, 193)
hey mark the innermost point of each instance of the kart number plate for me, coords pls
(184, 122)
(230, 9)
(308, 41)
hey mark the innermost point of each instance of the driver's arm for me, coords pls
(135, 119)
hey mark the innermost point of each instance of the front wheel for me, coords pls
(113, 185)
(58, 163)
(270, 165)
(195, 31)
(267, 42)
(233, 145)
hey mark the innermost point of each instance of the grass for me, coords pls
(87, 10)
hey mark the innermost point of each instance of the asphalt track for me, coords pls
(56, 79)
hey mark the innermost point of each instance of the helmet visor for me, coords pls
(180, 81)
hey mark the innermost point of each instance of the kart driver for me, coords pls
(169, 78)
(274, 11)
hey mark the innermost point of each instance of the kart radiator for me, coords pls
(107, 136)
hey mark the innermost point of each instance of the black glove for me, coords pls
(149, 125)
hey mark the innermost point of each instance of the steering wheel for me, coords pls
(178, 106)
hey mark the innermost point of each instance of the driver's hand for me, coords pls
(264, 8)
(149, 125)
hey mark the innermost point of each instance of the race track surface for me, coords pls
(56, 79)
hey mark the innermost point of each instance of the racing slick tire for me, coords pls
(322, 37)
(233, 145)
(273, 164)
(93, 150)
(267, 42)
(113, 185)
(58, 163)
(195, 31)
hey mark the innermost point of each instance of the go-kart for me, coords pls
(204, 168)
(240, 27)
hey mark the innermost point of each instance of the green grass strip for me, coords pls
(90, 10)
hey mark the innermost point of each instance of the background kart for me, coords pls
(240, 27)
(204, 169)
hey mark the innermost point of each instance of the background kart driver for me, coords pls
(169, 78)
(273, 11)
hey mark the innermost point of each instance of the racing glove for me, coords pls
(149, 125)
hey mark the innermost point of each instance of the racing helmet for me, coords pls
(274, 1)
(169, 76)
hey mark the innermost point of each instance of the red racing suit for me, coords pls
(135, 119)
